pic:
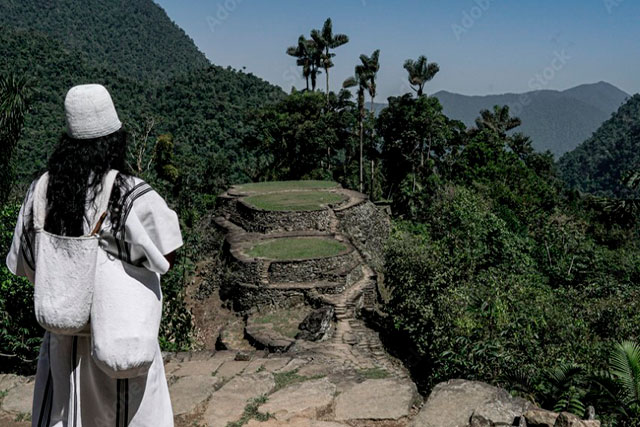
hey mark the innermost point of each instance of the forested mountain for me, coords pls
(205, 107)
(556, 120)
(601, 162)
(135, 37)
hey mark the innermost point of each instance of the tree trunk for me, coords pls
(371, 191)
(361, 143)
(326, 70)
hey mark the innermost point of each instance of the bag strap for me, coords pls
(101, 201)
(40, 202)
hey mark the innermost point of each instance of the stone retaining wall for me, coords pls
(317, 269)
(261, 221)
(368, 227)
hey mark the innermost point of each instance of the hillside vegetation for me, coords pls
(600, 164)
(134, 37)
(557, 121)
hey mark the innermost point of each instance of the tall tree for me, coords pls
(371, 65)
(325, 40)
(420, 72)
(13, 107)
(361, 81)
(306, 56)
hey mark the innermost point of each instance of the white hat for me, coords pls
(90, 112)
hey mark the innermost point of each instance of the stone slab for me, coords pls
(197, 368)
(231, 368)
(306, 398)
(295, 422)
(19, 399)
(189, 392)
(228, 403)
(376, 399)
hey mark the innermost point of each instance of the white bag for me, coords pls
(65, 266)
(125, 317)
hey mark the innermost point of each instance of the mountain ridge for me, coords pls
(135, 37)
(556, 120)
(599, 164)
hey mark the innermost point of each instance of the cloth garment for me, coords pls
(71, 390)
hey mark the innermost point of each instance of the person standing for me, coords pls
(139, 228)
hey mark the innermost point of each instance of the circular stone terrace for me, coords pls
(287, 205)
(285, 241)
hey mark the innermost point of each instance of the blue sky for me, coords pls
(482, 46)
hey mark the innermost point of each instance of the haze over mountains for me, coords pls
(556, 120)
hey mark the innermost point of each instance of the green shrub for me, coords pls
(20, 335)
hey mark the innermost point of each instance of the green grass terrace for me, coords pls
(295, 200)
(266, 187)
(294, 248)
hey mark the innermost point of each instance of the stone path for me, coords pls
(261, 390)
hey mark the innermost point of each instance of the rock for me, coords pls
(317, 325)
(293, 364)
(197, 368)
(295, 422)
(227, 404)
(267, 338)
(9, 381)
(269, 364)
(19, 399)
(480, 421)
(540, 418)
(453, 403)
(591, 413)
(306, 398)
(189, 392)
(243, 356)
(376, 399)
(566, 419)
(231, 368)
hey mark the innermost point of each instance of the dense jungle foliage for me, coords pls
(602, 164)
(135, 37)
(496, 270)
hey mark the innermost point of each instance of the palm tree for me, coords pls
(302, 57)
(325, 40)
(372, 66)
(497, 120)
(420, 72)
(13, 107)
(360, 80)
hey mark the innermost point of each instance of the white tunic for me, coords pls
(70, 390)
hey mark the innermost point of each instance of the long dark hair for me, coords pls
(75, 167)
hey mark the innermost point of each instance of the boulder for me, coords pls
(540, 418)
(19, 398)
(454, 403)
(566, 419)
(376, 399)
(317, 325)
